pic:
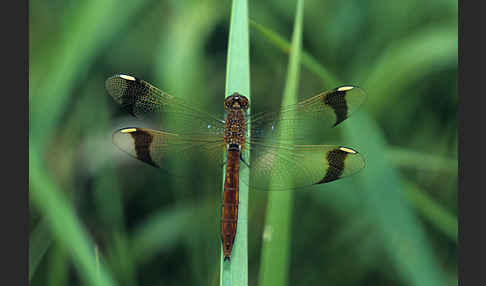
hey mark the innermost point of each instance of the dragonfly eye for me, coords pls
(244, 103)
(228, 103)
(236, 102)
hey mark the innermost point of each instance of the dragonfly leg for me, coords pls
(243, 160)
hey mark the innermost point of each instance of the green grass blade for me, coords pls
(419, 54)
(238, 65)
(235, 272)
(80, 43)
(63, 224)
(307, 60)
(97, 258)
(59, 260)
(420, 161)
(159, 232)
(39, 242)
(275, 260)
(432, 211)
(384, 201)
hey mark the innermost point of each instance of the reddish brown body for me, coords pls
(229, 213)
(235, 131)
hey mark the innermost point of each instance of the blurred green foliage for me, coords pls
(394, 223)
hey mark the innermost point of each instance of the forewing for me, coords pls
(323, 110)
(142, 99)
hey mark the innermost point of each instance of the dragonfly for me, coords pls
(262, 144)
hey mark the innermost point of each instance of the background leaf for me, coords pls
(278, 220)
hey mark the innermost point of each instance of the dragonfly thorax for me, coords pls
(235, 123)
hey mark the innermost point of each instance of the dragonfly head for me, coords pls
(236, 101)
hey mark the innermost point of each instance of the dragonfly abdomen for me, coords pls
(229, 212)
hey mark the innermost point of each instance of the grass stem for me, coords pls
(276, 237)
(235, 271)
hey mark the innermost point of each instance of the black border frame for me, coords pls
(15, 82)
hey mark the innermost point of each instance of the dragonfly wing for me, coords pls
(163, 150)
(283, 167)
(323, 110)
(142, 99)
